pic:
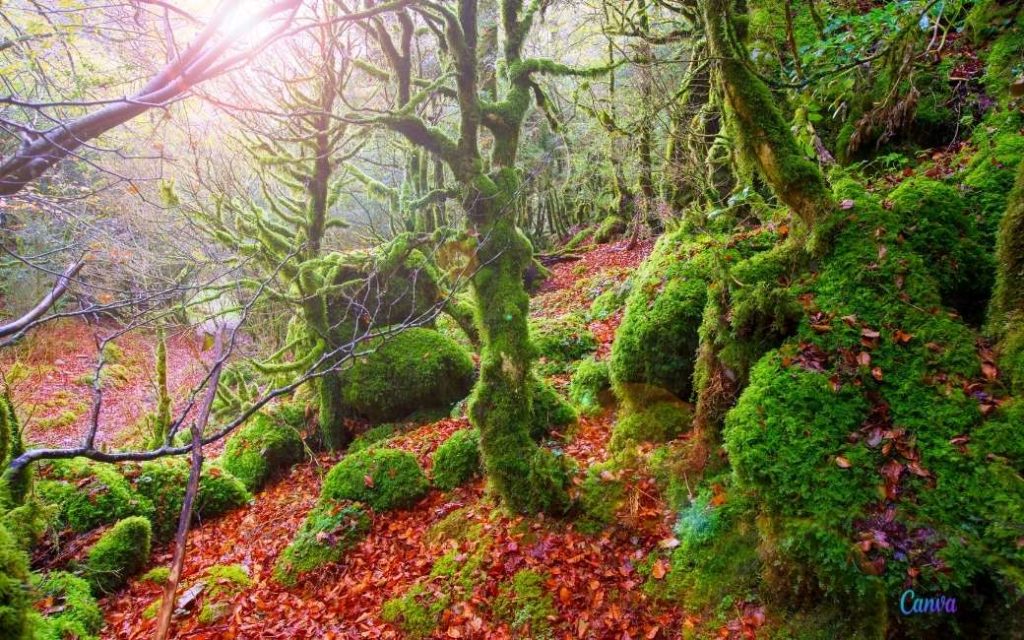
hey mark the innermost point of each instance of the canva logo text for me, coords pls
(913, 604)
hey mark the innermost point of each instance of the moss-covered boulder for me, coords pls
(852, 442)
(457, 460)
(590, 382)
(412, 370)
(526, 603)
(14, 595)
(327, 533)
(119, 554)
(261, 448)
(657, 422)
(90, 494)
(75, 611)
(163, 482)
(610, 228)
(939, 228)
(382, 478)
(560, 341)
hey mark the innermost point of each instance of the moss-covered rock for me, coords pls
(376, 436)
(163, 482)
(602, 494)
(457, 460)
(417, 611)
(223, 584)
(657, 422)
(548, 410)
(119, 554)
(382, 478)
(525, 602)
(990, 176)
(939, 228)
(610, 228)
(327, 533)
(14, 595)
(589, 383)
(560, 341)
(414, 369)
(90, 494)
(76, 613)
(261, 448)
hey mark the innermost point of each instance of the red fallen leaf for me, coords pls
(960, 440)
(891, 471)
(882, 252)
(901, 337)
(990, 371)
(821, 328)
(850, 320)
(869, 333)
(453, 632)
(564, 594)
(660, 569)
(876, 373)
(668, 543)
(864, 359)
(843, 463)
(368, 481)
(846, 205)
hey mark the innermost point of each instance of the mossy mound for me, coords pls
(412, 370)
(382, 478)
(90, 494)
(76, 613)
(224, 583)
(525, 602)
(589, 383)
(850, 441)
(457, 460)
(610, 300)
(548, 411)
(327, 533)
(939, 228)
(14, 594)
(610, 228)
(375, 436)
(990, 176)
(261, 448)
(417, 611)
(119, 554)
(655, 349)
(560, 341)
(602, 494)
(163, 482)
(658, 422)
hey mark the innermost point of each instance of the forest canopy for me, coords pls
(514, 318)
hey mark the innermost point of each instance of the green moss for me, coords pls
(561, 341)
(991, 174)
(156, 575)
(259, 449)
(610, 300)
(548, 410)
(90, 494)
(223, 584)
(163, 482)
(327, 533)
(526, 604)
(14, 595)
(457, 460)
(589, 383)
(1007, 312)
(375, 436)
(602, 494)
(414, 369)
(658, 422)
(609, 229)
(76, 613)
(417, 612)
(119, 554)
(383, 478)
(939, 229)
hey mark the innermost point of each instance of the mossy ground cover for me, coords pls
(260, 448)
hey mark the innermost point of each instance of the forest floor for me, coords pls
(598, 590)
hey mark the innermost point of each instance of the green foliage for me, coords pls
(602, 494)
(657, 422)
(224, 583)
(327, 533)
(164, 482)
(939, 229)
(610, 300)
(991, 174)
(526, 604)
(375, 436)
(1007, 312)
(76, 613)
(609, 229)
(90, 494)
(13, 489)
(457, 460)
(590, 380)
(119, 554)
(262, 447)
(382, 478)
(156, 575)
(14, 598)
(560, 341)
(414, 369)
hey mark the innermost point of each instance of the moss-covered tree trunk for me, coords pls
(1008, 297)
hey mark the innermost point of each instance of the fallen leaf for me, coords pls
(842, 462)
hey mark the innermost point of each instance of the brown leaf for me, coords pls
(846, 205)
(660, 569)
(876, 373)
(990, 371)
(368, 481)
(843, 463)
(864, 359)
